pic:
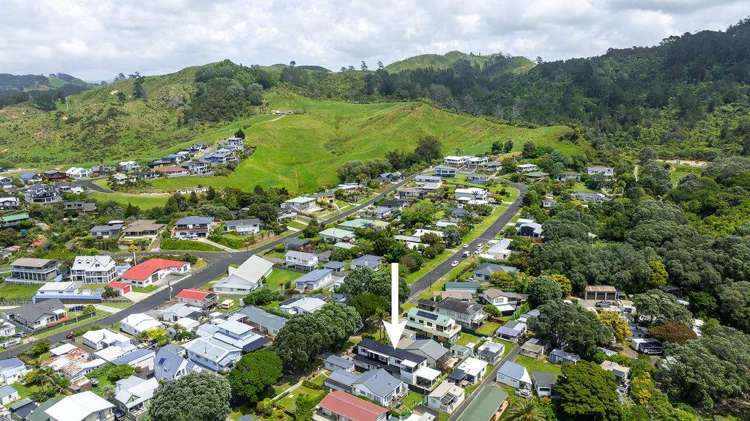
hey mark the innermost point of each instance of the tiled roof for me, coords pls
(193, 294)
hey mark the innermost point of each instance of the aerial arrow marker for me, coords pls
(394, 328)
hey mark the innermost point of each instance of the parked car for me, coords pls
(454, 263)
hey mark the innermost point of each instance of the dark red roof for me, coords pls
(351, 407)
(145, 269)
(193, 294)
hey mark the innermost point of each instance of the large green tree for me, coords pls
(197, 396)
(251, 379)
(710, 369)
(587, 392)
(570, 327)
(305, 336)
(543, 290)
(657, 306)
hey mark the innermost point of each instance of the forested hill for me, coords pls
(445, 61)
(688, 95)
(41, 90)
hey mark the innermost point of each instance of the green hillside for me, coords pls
(302, 152)
(445, 61)
(97, 126)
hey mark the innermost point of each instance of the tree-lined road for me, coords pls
(444, 267)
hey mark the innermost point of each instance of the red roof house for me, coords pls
(153, 270)
(197, 297)
(172, 170)
(346, 406)
(122, 287)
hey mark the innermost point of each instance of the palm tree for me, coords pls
(525, 410)
(380, 315)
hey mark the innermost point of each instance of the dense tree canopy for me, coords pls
(570, 327)
(251, 379)
(588, 392)
(307, 335)
(197, 396)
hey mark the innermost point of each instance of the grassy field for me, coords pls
(146, 290)
(467, 338)
(302, 152)
(18, 291)
(143, 201)
(288, 402)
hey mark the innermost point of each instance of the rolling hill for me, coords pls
(300, 152)
(448, 60)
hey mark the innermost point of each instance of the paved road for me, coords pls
(217, 266)
(443, 268)
(488, 380)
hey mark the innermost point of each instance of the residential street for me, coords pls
(443, 268)
(217, 266)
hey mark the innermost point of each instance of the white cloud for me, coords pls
(97, 39)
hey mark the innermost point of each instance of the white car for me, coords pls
(466, 245)
(454, 263)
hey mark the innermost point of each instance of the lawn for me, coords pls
(410, 401)
(146, 290)
(532, 365)
(142, 200)
(331, 133)
(10, 291)
(280, 277)
(173, 244)
(296, 224)
(288, 402)
(466, 338)
(488, 328)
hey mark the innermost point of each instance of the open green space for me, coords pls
(279, 277)
(301, 152)
(173, 244)
(288, 402)
(467, 338)
(488, 328)
(533, 364)
(142, 200)
(10, 291)
(146, 290)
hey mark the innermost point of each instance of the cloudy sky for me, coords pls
(96, 39)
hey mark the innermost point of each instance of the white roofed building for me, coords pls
(93, 269)
(84, 406)
(245, 278)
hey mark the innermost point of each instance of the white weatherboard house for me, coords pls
(137, 323)
(103, 338)
(245, 278)
(84, 406)
(93, 269)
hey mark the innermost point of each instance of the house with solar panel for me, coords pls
(433, 325)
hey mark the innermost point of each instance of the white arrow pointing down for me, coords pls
(395, 328)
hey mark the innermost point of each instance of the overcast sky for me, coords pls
(96, 39)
